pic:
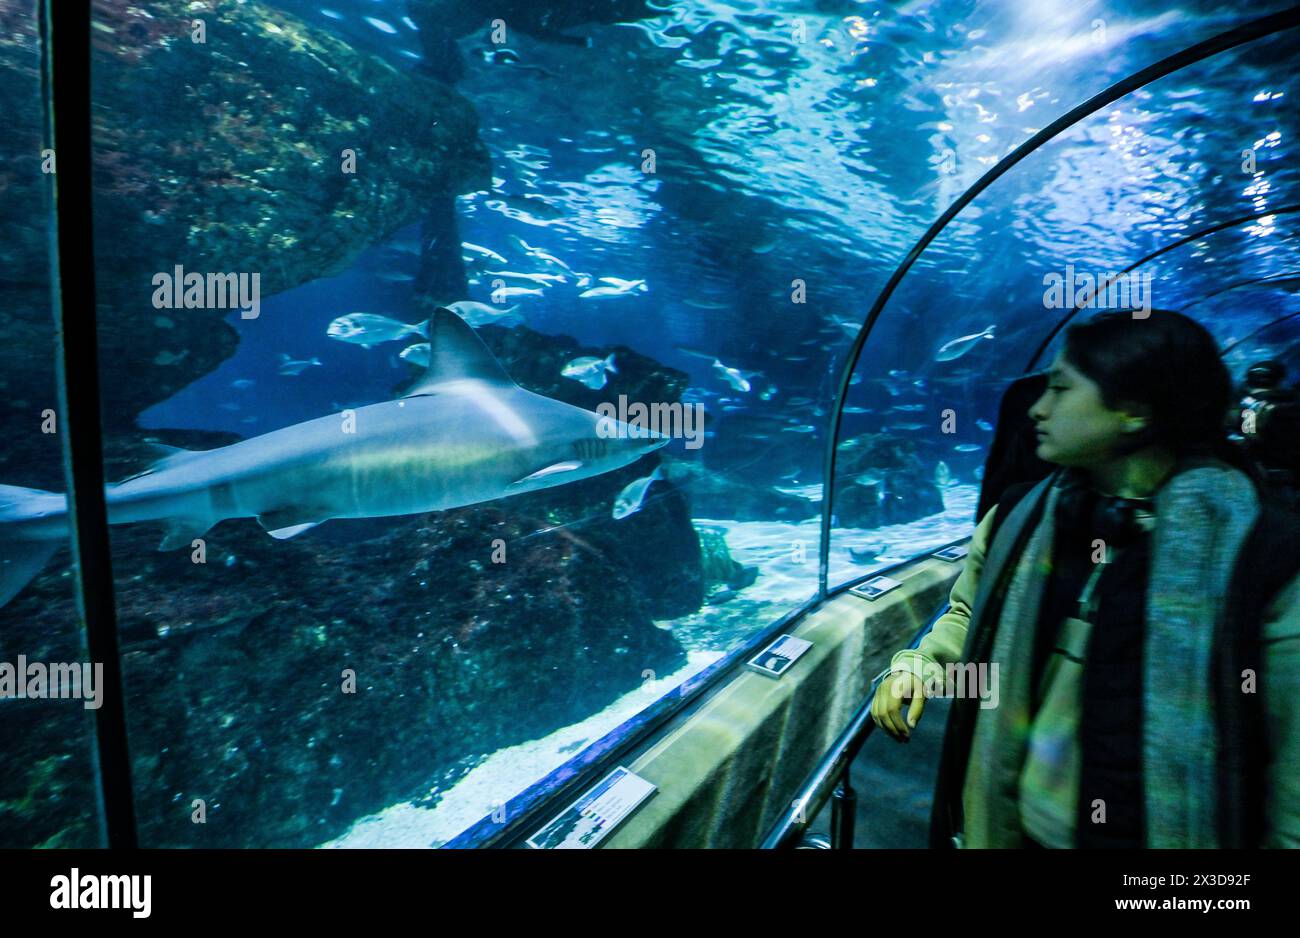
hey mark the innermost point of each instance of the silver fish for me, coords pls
(481, 314)
(486, 252)
(289, 366)
(511, 292)
(417, 354)
(590, 370)
(629, 500)
(959, 347)
(367, 329)
(733, 376)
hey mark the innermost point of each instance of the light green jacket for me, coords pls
(1280, 632)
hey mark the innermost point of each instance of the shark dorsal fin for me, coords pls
(456, 353)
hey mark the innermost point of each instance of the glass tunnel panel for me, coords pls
(375, 579)
(49, 690)
(1184, 154)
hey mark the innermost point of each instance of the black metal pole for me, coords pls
(66, 90)
(844, 809)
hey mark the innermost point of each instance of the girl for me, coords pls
(1140, 609)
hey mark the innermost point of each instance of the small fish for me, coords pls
(812, 492)
(380, 25)
(625, 284)
(480, 314)
(865, 554)
(979, 472)
(242, 384)
(537, 253)
(802, 428)
(367, 329)
(629, 500)
(590, 370)
(289, 366)
(768, 393)
(706, 304)
(907, 426)
(534, 205)
(968, 447)
(511, 292)
(722, 596)
(942, 474)
(394, 276)
(417, 354)
(983, 424)
(857, 410)
(603, 293)
(733, 376)
(909, 408)
(486, 252)
(543, 279)
(959, 347)
(170, 358)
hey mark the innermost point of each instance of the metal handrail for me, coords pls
(830, 778)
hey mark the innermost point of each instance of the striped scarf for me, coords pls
(1204, 512)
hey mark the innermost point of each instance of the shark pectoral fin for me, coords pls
(181, 532)
(567, 466)
(284, 523)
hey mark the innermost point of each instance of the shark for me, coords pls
(464, 433)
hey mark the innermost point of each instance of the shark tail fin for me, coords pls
(21, 556)
(609, 363)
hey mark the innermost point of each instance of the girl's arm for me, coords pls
(943, 645)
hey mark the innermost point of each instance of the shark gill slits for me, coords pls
(590, 450)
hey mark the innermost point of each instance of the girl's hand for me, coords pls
(887, 706)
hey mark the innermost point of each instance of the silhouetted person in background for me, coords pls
(1268, 421)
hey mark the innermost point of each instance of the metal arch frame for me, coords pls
(1240, 284)
(1248, 32)
(1171, 246)
(65, 92)
(1227, 349)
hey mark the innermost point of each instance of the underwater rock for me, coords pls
(234, 671)
(717, 494)
(880, 479)
(227, 156)
(724, 577)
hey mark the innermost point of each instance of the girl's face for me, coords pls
(1073, 426)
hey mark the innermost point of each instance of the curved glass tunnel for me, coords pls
(348, 617)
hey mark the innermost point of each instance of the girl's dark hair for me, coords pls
(1165, 361)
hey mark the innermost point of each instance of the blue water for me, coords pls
(799, 152)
